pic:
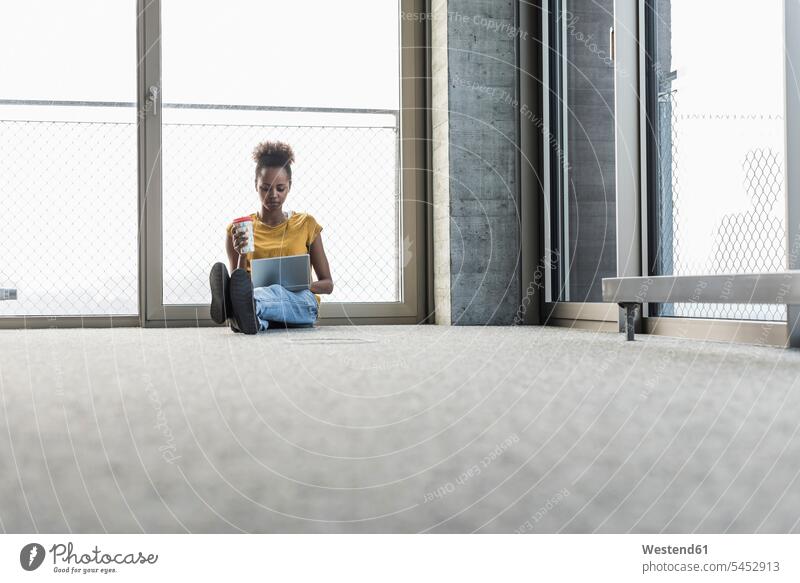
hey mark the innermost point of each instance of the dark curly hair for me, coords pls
(274, 154)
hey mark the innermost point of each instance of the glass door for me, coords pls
(225, 76)
(580, 233)
(68, 160)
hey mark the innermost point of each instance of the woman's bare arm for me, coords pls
(235, 260)
(319, 261)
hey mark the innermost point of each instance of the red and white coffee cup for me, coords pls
(244, 225)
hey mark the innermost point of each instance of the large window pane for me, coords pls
(238, 73)
(68, 160)
(719, 197)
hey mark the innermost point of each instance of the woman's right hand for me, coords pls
(240, 240)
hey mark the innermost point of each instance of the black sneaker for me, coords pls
(242, 303)
(219, 280)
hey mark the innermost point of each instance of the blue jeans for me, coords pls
(275, 303)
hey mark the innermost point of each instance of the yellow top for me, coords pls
(292, 237)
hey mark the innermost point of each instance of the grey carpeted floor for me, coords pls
(395, 429)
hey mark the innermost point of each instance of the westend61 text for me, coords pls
(671, 550)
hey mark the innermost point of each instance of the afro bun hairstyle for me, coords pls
(274, 154)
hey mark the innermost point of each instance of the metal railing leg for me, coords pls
(793, 325)
(630, 319)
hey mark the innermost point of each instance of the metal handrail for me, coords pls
(285, 108)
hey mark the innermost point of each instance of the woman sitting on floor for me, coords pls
(276, 234)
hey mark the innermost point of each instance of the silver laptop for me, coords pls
(292, 272)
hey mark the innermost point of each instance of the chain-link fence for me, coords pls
(346, 177)
(69, 217)
(69, 198)
(750, 238)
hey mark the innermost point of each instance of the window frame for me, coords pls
(411, 169)
(413, 222)
(636, 185)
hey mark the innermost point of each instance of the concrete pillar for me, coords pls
(475, 160)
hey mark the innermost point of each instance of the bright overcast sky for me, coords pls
(265, 52)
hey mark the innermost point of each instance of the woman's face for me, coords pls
(273, 186)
